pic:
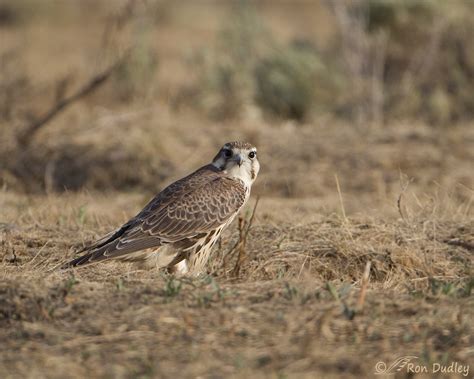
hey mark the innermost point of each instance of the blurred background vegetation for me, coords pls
(182, 70)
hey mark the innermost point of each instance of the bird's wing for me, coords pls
(190, 207)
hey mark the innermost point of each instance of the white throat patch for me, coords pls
(241, 172)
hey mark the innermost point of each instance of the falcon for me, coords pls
(178, 227)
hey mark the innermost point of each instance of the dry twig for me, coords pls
(363, 288)
(399, 200)
(244, 228)
(340, 198)
(25, 138)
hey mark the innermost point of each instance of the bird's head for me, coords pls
(238, 160)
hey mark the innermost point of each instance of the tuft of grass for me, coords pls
(172, 286)
(209, 292)
(69, 284)
(81, 215)
(461, 288)
(294, 82)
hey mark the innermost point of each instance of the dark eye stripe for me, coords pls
(227, 153)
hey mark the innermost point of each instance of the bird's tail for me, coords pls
(99, 255)
(82, 261)
(95, 252)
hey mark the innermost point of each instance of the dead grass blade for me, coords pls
(363, 288)
(239, 246)
(399, 200)
(340, 198)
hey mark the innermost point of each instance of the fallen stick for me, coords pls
(26, 136)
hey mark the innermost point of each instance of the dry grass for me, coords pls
(289, 297)
(292, 312)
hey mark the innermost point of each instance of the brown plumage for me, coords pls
(188, 215)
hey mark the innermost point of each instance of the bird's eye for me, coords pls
(227, 153)
(252, 154)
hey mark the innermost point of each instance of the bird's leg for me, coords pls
(181, 268)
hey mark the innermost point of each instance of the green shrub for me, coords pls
(392, 59)
(224, 74)
(248, 68)
(134, 78)
(294, 81)
(428, 61)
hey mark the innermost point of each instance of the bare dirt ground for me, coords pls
(333, 197)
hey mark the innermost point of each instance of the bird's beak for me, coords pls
(238, 158)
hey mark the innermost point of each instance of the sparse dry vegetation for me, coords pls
(291, 311)
(361, 247)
